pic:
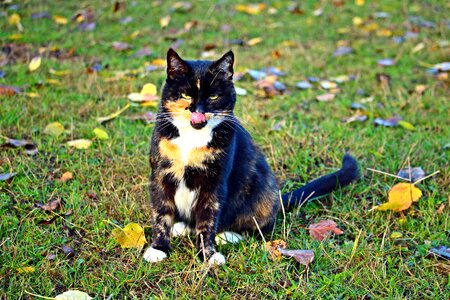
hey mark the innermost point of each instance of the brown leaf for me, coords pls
(66, 176)
(319, 231)
(51, 205)
(305, 257)
(6, 90)
(273, 248)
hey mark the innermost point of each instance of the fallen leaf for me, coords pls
(386, 62)
(440, 210)
(322, 229)
(251, 9)
(29, 146)
(65, 176)
(68, 251)
(6, 90)
(401, 196)
(304, 85)
(14, 20)
(396, 235)
(181, 7)
(240, 91)
(305, 257)
(101, 134)
(164, 21)
(7, 176)
(418, 47)
(54, 129)
(80, 143)
(25, 270)
(328, 84)
(120, 46)
(131, 236)
(414, 174)
(60, 20)
(35, 63)
(342, 50)
(51, 205)
(325, 97)
(254, 41)
(406, 125)
(357, 117)
(112, 116)
(441, 251)
(273, 248)
(147, 117)
(390, 122)
(73, 295)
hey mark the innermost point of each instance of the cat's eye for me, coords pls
(213, 97)
(184, 96)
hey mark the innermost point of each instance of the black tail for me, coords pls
(325, 184)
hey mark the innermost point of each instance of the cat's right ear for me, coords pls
(176, 66)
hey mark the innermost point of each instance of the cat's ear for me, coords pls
(224, 65)
(176, 66)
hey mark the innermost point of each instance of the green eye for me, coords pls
(184, 96)
(213, 97)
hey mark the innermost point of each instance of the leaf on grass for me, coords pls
(325, 97)
(322, 229)
(147, 94)
(60, 20)
(73, 295)
(80, 143)
(406, 125)
(254, 41)
(305, 257)
(389, 122)
(112, 116)
(441, 251)
(120, 46)
(357, 117)
(65, 176)
(101, 134)
(396, 235)
(131, 236)
(7, 176)
(401, 196)
(35, 63)
(164, 21)
(54, 129)
(25, 270)
(328, 85)
(14, 20)
(6, 90)
(29, 146)
(51, 205)
(386, 62)
(273, 248)
(251, 9)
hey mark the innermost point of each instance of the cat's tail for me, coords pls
(324, 185)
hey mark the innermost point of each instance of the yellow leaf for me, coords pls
(383, 32)
(14, 19)
(60, 72)
(396, 235)
(32, 95)
(15, 36)
(134, 34)
(35, 63)
(357, 21)
(149, 89)
(148, 104)
(251, 9)
(401, 196)
(164, 21)
(407, 125)
(80, 143)
(54, 128)
(254, 41)
(158, 62)
(53, 81)
(131, 236)
(24, 270)
(359, 2)
(101, 134)
(113, 115)
(272, 248)
(60, 20)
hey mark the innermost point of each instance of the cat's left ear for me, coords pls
(224, 65)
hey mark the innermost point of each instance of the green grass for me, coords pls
(363, 263)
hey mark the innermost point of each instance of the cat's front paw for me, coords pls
(154, 255)
(217, 259)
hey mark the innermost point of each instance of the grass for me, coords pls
(110, 179)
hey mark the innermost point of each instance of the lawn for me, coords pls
(374, 58)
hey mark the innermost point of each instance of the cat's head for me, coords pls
(198, 92)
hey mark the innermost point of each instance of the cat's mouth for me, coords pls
(198, 120)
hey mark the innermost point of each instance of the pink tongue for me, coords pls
(197, 117)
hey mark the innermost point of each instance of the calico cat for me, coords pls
(207, 172)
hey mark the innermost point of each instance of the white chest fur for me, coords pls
(188, 140)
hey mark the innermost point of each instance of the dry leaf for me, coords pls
(73, 295)
(51, 205)
(14, 20)
(66, 176)
(251, 9)
(101, 134)
(35, 63)
(27, 269)
(254, 41)
(273, 248)
(113, 115)
(131, 236)
(60, 20)
(305, 257)
(54, 129)
(80, 143)
(164, 21)
(325, 97)
(319, 231)
(401, 196)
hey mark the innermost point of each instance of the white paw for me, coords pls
(180, 229)
(154, 255)
(228, 237)
(217, 259)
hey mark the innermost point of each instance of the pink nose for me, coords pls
(197, 118)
